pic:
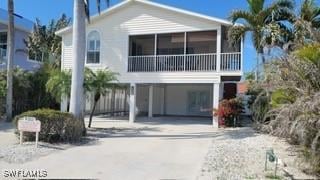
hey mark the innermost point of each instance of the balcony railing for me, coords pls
(187, 62)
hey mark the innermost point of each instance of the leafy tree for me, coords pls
(255, 20)
(99, 83)
(43, 44)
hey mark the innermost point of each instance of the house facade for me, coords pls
(23, 27)
(175, 62)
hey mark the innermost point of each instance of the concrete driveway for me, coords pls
(157, 148)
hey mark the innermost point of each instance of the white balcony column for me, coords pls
(132, 102)
(150, 113)
(241, 55)
(64, 104)
(216, 99)
(219, 39)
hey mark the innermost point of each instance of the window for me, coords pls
(142, 45)
(201, 42)
(93, 48)
(3, 46)
(170, 44)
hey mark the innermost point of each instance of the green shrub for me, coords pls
(56, 126)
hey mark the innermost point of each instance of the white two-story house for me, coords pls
(175, 62)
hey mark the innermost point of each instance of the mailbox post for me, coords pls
(29, 124)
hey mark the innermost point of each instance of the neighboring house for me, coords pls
(23, 28)
(176, 62)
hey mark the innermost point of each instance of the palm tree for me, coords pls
(59, 84)
(99, 82)
(307, 22)
(80, 12)
(10, 59)
(255, 20)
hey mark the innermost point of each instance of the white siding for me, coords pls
(66, 62)
(135, 19)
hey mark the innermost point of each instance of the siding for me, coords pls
(136, 19)
(21, 57)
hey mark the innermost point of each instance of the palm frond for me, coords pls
(98, 4)
(235, 33)
(255, 6)
(241, 14)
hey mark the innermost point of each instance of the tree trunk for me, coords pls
(10, 60)
(256, 75)
(92, 112)
(78, 59)
(96, 99)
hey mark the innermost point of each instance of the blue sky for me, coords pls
(46, 10)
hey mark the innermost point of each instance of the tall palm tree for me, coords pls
(80, 13)
(10, 59)
(99, 82)
(256, 18)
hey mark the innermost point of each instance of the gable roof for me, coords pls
(150, 3)
(20, 22)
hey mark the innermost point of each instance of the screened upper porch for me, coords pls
(185, 51)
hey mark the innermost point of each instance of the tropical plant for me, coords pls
(43, 44)
(10, 60)
(59, 84)
(307, 22)
(255, 21)
(29, 90)
(288, 105)
(3, 83)
(80, 12)
(99, 83)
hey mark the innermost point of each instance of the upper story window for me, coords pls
(142, 45)
(93, 48)
(202, 42)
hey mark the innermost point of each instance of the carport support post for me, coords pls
(150, 114)
(216, 99)
(132, 102)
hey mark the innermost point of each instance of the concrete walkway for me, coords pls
(7, 136)
(158, 148)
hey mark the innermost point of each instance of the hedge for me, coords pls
(56, 126)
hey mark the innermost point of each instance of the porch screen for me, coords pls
(203, 42)
(168, 44)
(142, 45)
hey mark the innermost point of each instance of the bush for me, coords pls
(228, 111)
(56, 126)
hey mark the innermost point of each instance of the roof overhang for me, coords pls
(16, 26)
(150, 3)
